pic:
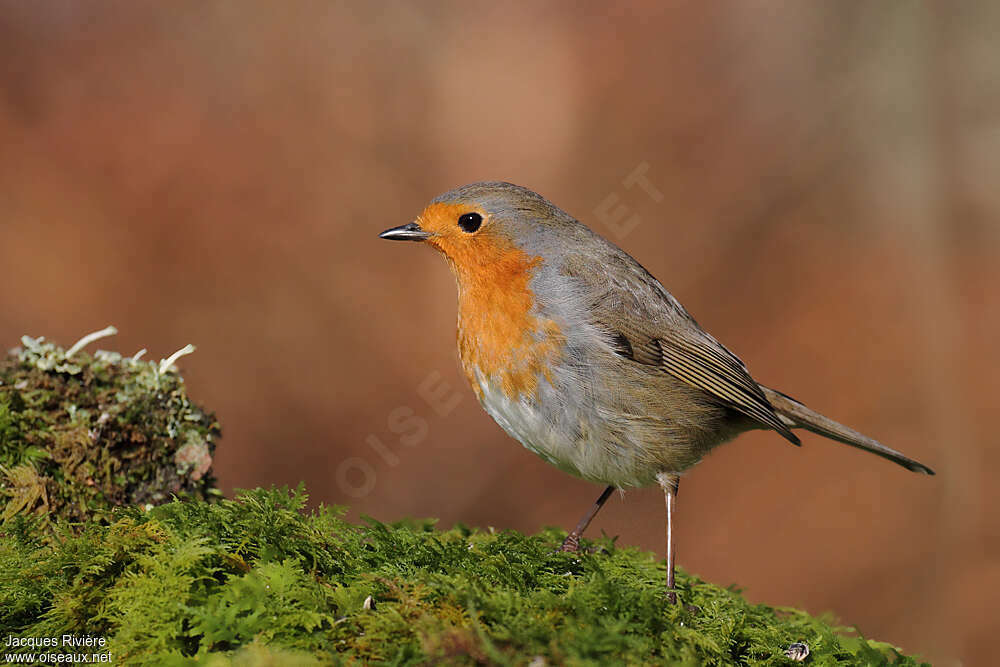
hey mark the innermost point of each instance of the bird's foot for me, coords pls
(571, 544)
(672, 599)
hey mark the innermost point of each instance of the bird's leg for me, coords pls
(670, 484)
(572, 541)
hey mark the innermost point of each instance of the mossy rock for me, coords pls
(80, 434)
(258, 580)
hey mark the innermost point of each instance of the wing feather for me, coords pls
(706, 367)
(645, 324)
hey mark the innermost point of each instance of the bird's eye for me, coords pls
(470, 222)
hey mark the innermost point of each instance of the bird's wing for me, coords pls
(647, 325)
(702, 362)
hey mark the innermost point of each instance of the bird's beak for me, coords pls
(409, 232)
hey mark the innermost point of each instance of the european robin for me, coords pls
(583, 357)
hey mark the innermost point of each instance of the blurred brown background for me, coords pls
(217, 172)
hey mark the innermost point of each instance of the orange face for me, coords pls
(500, 335)
(441, 221)
(484, 259)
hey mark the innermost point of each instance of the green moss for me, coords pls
(257, 579)
(80, 434)
(90, 444)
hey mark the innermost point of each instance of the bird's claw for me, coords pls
(570, 545)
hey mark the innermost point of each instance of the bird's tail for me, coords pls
(796, 415)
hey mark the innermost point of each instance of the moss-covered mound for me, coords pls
(257, 580)
(91, 570)
(80, 434)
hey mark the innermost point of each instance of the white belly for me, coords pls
(574, 443)
(526, 424)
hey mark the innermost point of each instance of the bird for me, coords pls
(582, 356)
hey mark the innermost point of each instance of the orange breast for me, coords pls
(498, 334)
(501, 339)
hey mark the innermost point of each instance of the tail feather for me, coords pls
(794, 414)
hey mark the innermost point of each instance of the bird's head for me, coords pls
(487, 230)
